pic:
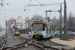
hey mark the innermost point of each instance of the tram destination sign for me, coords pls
(37, 21)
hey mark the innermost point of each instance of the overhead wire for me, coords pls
(38, 9)
(42, 5)
(38, 1)
(13, 10)
(18, 9)
(3, 8)
(45, 7)
(26, 6)
(22, 13)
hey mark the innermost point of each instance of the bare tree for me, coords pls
(70, 20)
(73, 21)
(37, 17)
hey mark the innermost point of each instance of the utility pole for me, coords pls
(6, 27)
(60, 14)
(15, 22)
(65, 18)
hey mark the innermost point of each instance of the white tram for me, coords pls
(41, 29)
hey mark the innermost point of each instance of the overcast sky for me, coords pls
(16, 8)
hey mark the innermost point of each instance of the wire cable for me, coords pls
(38, 1)
(38, 9)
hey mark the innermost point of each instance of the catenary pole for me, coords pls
(65, 18)
(60, 14)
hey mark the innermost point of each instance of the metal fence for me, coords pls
(25, 31)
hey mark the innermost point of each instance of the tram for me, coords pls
(17, 32)
(41, 29)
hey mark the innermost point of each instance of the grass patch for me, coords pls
(65, 39)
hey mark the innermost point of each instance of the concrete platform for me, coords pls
(74, 32)
(12, 40)
(64, 42)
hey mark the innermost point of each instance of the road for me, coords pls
(12, 40)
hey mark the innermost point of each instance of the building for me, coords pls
(20, 23)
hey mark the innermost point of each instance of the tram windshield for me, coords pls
(37, 27)
(17, 30)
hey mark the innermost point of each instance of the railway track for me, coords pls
(27, 43)
(32, 42)
(3, 41)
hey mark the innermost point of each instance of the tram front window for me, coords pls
(17, 30)
(37, 27)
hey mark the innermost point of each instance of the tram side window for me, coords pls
(43, 27)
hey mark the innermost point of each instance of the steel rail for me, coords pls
(3, 44)
(28, 42)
